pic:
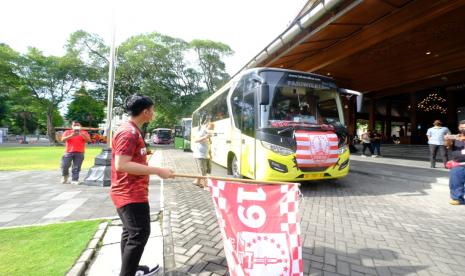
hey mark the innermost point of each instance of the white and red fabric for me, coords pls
(260, 228)
(316, 149)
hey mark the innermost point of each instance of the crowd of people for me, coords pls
(450, 148)
(370, 140)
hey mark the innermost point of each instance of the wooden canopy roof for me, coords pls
(381, 46)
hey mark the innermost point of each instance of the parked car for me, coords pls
(162, 136)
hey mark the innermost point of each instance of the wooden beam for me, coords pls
(403, 20)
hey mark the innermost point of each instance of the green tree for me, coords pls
(9, 80)
(93, 52)
(210, 54)
(50, 80)
(85, 109)
(154, 65)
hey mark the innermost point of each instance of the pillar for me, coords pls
(451, 111)
(388, 129)
(413, 117)
(371, 111)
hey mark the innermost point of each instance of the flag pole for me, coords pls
(234, 179)
(100, 173)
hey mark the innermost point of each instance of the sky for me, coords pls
(247, 26)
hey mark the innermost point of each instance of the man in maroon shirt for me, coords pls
(76, 140)
(130, 182)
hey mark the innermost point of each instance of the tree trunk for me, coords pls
(50, 128)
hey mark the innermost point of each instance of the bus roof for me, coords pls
(161, 128)
(256, 70)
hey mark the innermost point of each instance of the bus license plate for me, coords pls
(313, 176)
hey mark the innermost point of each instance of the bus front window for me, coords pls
(302, 101)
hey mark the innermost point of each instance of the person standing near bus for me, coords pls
(75, 140)
(201, 152)
(435, 136)
(130, 184)
(366, 142)
(456, 145)
(377, 138)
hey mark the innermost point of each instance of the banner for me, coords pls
(260, 227)
(316, 149)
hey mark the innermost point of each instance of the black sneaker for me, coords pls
(144, 270)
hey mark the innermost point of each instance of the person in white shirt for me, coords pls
(366, 142)
(436, 142)
(201, 152)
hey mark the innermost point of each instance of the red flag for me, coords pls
(316, 149)
(260, 227)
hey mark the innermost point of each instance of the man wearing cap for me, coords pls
(435, 136)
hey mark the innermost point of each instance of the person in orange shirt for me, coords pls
(75, 140)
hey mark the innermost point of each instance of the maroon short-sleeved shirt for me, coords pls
(128, 188)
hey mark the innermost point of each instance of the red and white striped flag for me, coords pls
(316, 149)
(260, 228)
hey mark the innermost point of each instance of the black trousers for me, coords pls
(433, 149)
(367, 146)
(136, 232)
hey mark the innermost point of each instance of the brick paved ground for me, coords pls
(361, 225)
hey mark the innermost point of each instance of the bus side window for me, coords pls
(248, 107)
(236, 104)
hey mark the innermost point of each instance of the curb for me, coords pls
(80, 266)
(412, 178)
(169, 263)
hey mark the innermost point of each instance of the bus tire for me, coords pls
(235, 170)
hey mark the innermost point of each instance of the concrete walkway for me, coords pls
(107, 260)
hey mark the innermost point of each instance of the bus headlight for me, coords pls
(342, 149)
(277, 149)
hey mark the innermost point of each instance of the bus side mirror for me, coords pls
(359, 96)
(264, 94)
(359, 102)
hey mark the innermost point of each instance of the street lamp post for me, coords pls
(100, 173)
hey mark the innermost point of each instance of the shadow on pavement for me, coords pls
(371, 261)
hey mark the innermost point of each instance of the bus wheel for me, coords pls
(235, 168)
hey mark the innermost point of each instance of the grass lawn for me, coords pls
(39, 158)
(44, 250)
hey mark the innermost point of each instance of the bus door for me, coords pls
(243, 109)
(248, 138)
(235, 140)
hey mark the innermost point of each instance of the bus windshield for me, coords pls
(299, 99)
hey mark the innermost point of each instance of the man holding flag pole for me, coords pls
(258, 220)
(130, 182)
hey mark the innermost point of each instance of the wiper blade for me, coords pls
(286, 130)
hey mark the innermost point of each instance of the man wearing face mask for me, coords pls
(456, 145)
(75, 140)
(436, 142)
